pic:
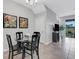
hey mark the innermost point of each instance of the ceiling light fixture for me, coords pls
(31, 2)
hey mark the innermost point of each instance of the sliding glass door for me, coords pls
(70, 28)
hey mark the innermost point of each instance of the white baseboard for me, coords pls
(46, 43)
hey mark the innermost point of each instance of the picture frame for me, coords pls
(23, 22)
(9, 21)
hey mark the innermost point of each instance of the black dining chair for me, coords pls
(36, 33)
(19, 36)
(12, 48)
(33, 46)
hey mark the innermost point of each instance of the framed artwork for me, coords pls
(9, 21)
(23, 22)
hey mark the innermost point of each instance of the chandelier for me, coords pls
(31, 2)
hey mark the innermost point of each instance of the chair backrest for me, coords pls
(35, 41)
(37, 33)
(9, 41)
(19, 35)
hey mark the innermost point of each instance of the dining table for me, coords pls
(24, 41)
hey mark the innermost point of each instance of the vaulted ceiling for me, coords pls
(60, 7)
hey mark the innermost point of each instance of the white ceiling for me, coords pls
(60, 7)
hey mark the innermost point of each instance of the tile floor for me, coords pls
(65, 49)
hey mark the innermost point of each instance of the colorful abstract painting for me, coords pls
(9, 21)
(23, 22)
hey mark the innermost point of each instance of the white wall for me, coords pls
(40, 25)
(50, 21)
(13, 8)
(43, 24)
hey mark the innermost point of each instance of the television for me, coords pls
(56, 27)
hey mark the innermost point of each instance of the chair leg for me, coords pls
(33, 51)
(37, 52)
(12, 54)
(9, 55)
(23, 55)
(31, 54)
